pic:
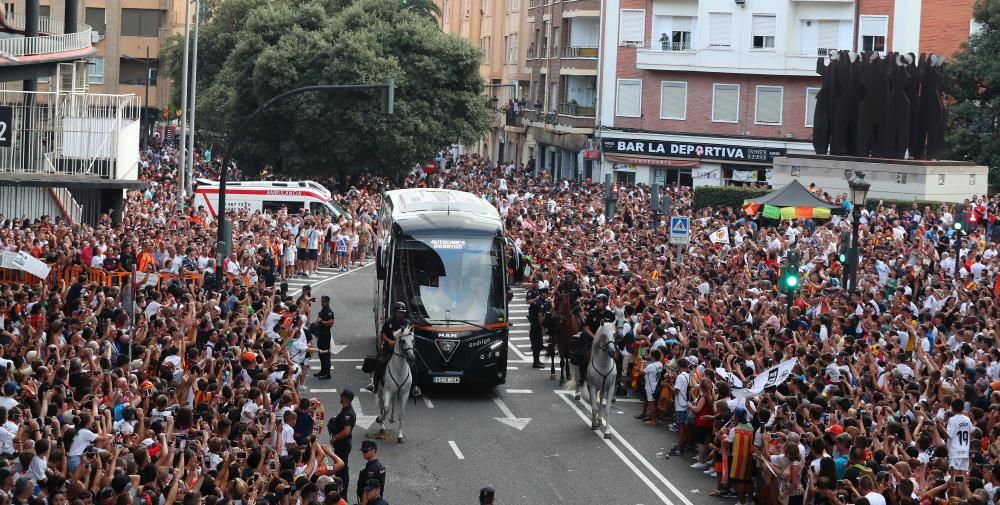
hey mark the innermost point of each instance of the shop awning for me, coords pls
(658, 162)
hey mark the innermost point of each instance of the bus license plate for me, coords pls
(447, 380)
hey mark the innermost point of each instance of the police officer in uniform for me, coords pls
(388, 342)
(595, 317)
(373, 470)
(341, 430)
(538, 307)
(324, 328)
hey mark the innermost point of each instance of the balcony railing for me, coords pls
(52, 41)
(579, 52)
(573, 109)
(537, 3)
(514, 118)
(666, 45)
(531, 53)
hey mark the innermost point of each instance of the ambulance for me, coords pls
(267, 196)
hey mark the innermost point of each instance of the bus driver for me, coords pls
(388, 341)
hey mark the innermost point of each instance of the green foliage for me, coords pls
(252, 50)
(718, 197)
(974, 113)
(425, 8)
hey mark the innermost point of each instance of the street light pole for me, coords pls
(194, 96)
(223, 233)
(145, 109)
(181, 187)
(859, 193)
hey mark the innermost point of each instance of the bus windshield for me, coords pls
(452, 280)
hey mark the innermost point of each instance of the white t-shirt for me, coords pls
(249, 412)
(959, 432)
(36, 469)
(875, 498)
(652, 371)
(81, 442)
(7, 439)
(6, 401)
(272, 320)
(681, 396)
(287, 437)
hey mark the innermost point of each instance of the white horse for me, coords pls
(602, 374)
(396, 381)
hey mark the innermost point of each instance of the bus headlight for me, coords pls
(496, 345)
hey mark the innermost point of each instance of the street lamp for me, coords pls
(859, 194)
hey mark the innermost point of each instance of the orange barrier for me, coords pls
(72, 274)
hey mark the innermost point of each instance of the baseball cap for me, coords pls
(835, 430)
(347, 393)
(11, 388)
(249, 356)
(367, 445)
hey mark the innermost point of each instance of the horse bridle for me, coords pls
(394, 353)
(610, 349)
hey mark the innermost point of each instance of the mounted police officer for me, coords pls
(539, 306)
(387, 339)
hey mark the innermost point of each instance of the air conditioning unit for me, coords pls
(741, 3)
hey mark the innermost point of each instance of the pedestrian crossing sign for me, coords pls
(680, 230)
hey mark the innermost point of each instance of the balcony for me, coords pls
(578, 61)
(51, 41)
(656, 55)
(81, 135)
(573, 109)
(532, 4)
(579, 52)
(514, 119)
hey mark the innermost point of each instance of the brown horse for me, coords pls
(566, 325)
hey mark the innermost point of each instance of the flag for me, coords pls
(720, 236)
(774, 376)
(750, 208)
(788, 213)
(772, 212)
(803, 212)
(821, 213)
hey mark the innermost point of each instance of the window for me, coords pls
(484, 49)
(140, 22)
(720, 29)
(828, 37)
(725, 103)
(133, 71)
(763, 28)
(96, 19)
(629, 102)
(873, 32)
(811, 94)
(769, 100)
(44, 10)
(95, 70)
(680, 34)
(510, 48)
(632, 27)
(673, 100)
(485, 7)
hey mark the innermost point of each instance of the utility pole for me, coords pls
(194, 97)
(181, 176)
(145, 109)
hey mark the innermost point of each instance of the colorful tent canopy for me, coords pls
(790, 202)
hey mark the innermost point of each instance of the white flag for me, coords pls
(720, 236)
(774, 376)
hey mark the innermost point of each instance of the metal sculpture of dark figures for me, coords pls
(887, 106)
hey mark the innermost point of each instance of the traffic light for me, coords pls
(610, 198)
(789, 281)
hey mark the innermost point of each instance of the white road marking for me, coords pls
(328, 279)
(348, 360)
(337, 348)
(518, 352)
(512, 368)
(314, 390)
(652, 487)
(519, 338)
(508, 418)
(454, 447)
(362, 420)
(522, 332)
(427, 401)
(652, 470)
(519, 391)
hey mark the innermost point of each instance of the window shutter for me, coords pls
(769, 105)
(683, 24)
(829, 34)
(629, 98)
(764, 26)
(811, 105)
(874, 26)
(720, 29)
(726, 102)
(633, 27)
(673, 100)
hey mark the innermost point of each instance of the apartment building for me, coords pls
(709, 92)
(497, 27)
(130, 33)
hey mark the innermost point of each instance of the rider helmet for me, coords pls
(606, 292)
(601, 297)
(400, 308)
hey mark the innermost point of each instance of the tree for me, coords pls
(974, 114)
(252, 50)
(423, 7)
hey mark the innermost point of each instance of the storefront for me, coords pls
(692, 160)
(561, 155)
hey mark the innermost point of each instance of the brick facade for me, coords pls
(944, 26)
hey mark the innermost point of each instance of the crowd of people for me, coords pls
(189, 392)
(895, 387)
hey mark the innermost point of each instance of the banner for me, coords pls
(771, 212)
(720, 236)
(771, 377)
(745, 175)
(146, 279)
(24, 262)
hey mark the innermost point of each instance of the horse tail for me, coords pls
(570, 385)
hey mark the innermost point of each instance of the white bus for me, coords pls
(268, 196)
